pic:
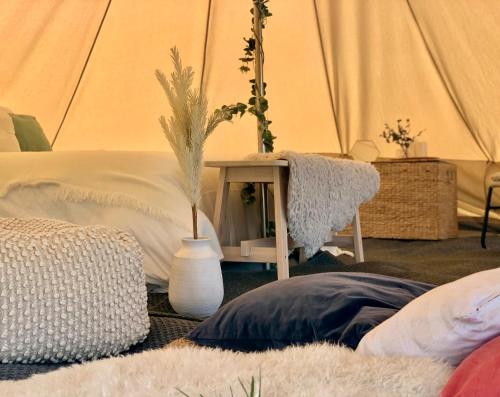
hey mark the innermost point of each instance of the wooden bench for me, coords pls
(274, 249)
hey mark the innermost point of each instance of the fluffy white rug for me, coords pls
(314, 370)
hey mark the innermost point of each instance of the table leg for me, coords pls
(358, 239)
(221, 202)
(280, 221)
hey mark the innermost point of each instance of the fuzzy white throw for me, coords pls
(314, 370)
(323, 194)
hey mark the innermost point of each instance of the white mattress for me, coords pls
(138, 192)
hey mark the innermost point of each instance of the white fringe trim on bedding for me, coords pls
(74, 194)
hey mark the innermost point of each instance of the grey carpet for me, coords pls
(164, 329)
(435, 262)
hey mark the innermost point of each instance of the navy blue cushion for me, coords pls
(364, 321)
(331, 307)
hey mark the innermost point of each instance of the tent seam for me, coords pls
(325, 69)
(77, 86)
(480, 144)
(205, 45)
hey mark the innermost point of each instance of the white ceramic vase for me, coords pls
(195, 286)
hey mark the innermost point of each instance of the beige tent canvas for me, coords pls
(111, 246)
(337, 71)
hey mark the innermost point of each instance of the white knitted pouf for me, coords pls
(68, 292)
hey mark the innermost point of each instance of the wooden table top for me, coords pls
(247, 163)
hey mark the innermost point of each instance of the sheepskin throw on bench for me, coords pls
(323, 194)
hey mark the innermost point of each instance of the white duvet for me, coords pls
(138, 192)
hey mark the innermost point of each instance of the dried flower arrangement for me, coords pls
(188, 127)
(401, 135)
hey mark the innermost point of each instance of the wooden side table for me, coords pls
(273, 249)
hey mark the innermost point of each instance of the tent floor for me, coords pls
(435, 262)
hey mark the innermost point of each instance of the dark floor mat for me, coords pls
(435, 262)
(164, 329)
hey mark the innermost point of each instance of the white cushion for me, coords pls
(448, 322)
(8, 140)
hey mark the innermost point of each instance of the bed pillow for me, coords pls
(328, 307)
(8, 140)
(478, 375)
(30, 134)
(447, 323)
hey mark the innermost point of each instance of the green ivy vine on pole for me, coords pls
(257, 104)
(257, 109)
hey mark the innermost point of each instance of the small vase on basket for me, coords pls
(195, 287)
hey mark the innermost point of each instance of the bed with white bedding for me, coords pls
(138, 192)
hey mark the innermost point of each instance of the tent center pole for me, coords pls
(259, 91)
(259, 71)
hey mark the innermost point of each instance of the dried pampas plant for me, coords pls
(188, 127)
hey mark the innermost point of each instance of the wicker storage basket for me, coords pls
(417, 200)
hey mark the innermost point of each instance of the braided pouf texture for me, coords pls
(68, 292)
